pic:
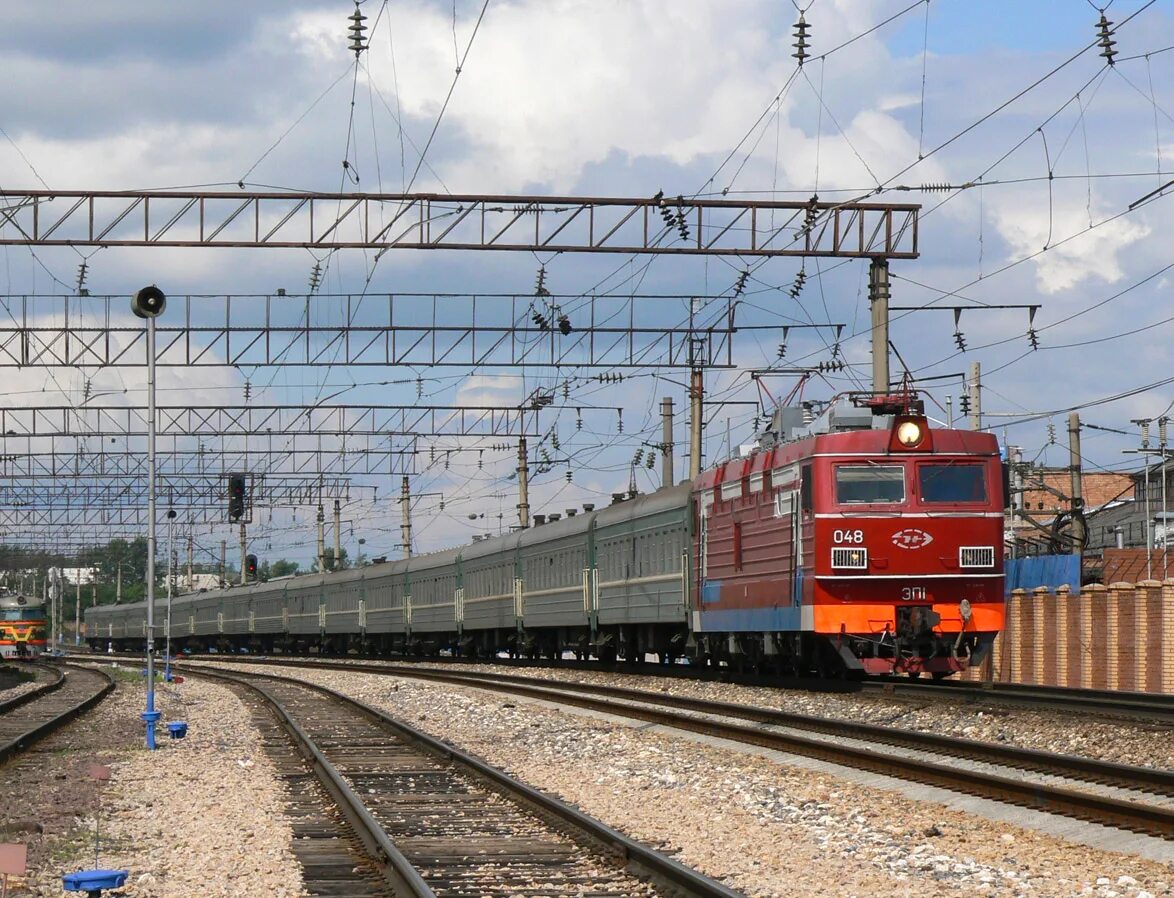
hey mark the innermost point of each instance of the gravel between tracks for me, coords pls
(7, 695)
(764, 828)
(1123, 742)
(199, 816)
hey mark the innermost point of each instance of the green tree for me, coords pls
(329, 555)
(283, 568)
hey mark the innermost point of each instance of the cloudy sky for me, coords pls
(1032, 149)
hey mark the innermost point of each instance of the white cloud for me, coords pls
(482, 389)
(1088, 254)
(552, 87)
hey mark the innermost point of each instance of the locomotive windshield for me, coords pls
(952, 483)
(22, 613)
(870, 483)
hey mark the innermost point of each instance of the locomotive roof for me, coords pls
(871, 441)
(19, 600)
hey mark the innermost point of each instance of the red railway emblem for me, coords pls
(911, 538)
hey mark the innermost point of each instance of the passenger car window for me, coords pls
(870, 483)
(951, 483)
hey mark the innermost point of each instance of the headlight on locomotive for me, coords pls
(909, 433)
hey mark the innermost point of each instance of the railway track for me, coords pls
(1107, 703)
(1131, 798)
(46, 679)
(33, 716)
(1151, 707)
(436, 821)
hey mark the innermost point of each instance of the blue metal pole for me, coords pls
(170, 574)
(151, 716)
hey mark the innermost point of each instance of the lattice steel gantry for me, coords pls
(266, 420)
(432, 329)
(327, 221)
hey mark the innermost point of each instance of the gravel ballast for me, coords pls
(199, 816)
(765, 828)
(1125, 742)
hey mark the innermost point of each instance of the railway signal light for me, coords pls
(251, 566)
(236, 497)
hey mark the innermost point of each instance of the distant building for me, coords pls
(1043, 525)
(1098, 489)
(75, 575)
(200, 582)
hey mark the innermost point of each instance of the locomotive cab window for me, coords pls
(951, 482)
(859, 484)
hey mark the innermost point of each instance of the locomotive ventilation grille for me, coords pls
(853, 559)
(976, 556)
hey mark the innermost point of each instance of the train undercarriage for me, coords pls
(801, 654)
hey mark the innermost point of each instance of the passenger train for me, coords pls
(864, 542)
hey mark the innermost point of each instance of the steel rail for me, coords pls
(55, 683)
(23, 740)
(1129, 815)
(395, 868)
(1147, 779)
(1108, 702)
(641, 860)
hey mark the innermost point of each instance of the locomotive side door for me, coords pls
(785, 483)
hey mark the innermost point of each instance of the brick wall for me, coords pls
(1119, 636)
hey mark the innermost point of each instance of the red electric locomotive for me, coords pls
(869, 542)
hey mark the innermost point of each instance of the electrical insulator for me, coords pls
(248, 390)
(431, 454)
(651, 461)
(566, 389)
(801, 45)
(797, 286)
(446, 460)
(540, 320)
(81, 275)
(620, 424)
(960, 340)
(810, 215)
(554, 440)
(578, 420)
(564, 325)
(570, 475)
(316, 277)
(1145, 434)
(87, 388)
(782, 350)
(1106, 43)
(419, 387)
(964, 404)
(442, 503)
(356, 31)
(740, 285)
(1051, 434)
(639, 456)
(1033, 338)
(1162, 430)
(480, 459)
(540, 282)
